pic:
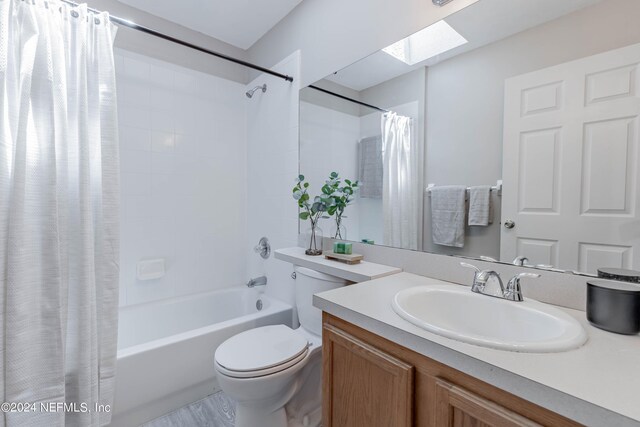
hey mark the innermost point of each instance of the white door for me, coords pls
(570, 164)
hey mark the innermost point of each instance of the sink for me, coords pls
(455, 312)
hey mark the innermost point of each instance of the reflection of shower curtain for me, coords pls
(59, 236)
(401, 184)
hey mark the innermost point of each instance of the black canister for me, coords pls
(621, 274)
(614, 306)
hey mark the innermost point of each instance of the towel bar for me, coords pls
(497, 188)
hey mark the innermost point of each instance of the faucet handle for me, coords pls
(263, 248)
(514, 290)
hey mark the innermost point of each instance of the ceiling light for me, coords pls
(427, 43)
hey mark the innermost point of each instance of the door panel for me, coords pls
(570, 160)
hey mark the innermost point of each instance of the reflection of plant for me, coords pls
(342, 197)
(311, 211)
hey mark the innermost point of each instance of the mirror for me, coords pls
(515, 116)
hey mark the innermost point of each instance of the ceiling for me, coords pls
(238, 22)
(482, 23)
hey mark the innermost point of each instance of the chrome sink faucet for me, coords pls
(513, 290)
(482, 277)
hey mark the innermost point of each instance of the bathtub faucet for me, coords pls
(258, 281)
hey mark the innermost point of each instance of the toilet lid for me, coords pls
(261, 348)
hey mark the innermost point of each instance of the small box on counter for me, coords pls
(342, 248)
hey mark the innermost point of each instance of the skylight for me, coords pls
(427, 43)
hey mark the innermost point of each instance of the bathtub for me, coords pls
(165, 349)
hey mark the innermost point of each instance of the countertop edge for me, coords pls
(545, 396)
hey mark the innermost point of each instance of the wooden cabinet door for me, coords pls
(363, 386)
(457, 407)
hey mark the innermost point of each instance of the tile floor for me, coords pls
(216, 410)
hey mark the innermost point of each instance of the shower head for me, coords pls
(250, 93)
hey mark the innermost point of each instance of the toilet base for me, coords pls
(250, 417)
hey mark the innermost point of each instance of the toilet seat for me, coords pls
(261, 351)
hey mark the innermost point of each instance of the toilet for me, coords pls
(274, 373)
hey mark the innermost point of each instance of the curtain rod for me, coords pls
(346, 98)
(150, 31)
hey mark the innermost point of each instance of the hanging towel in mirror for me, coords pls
(370, 167)
(448, 215)
(480, 205)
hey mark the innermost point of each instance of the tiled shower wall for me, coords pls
(183, 173)
(273, 166)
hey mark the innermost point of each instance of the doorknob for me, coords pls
(509, 224)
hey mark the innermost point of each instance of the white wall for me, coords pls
(465, 101)
(183, 167)
(139, 42)
(272, 123)
(329, 143)
(332, 34)
(465, 94)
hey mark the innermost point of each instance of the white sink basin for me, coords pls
(455, 312)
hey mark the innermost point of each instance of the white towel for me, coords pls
(480, 205)
(448, 215)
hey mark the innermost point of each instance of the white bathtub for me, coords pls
(165, 349)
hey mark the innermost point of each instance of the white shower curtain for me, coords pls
(59, 197)
(401, 183)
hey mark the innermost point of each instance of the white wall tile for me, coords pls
(162, 98)
(177, 204)
(162, 142)
(135, 161)
(133, 138)
(272, 162)
(135, 184)
(135, 116)
(162, 120)
(136, 68)
(161, 75)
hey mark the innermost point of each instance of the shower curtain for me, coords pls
(401, 182)
(59, 197)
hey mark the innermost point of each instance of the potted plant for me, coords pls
(343, 196)
(312, 211)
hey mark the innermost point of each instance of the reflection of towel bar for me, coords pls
(497, 188)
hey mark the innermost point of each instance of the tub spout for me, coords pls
(258, 281)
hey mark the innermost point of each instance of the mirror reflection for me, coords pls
(507, 131)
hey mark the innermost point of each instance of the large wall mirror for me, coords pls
(507, 131)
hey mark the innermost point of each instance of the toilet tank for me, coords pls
(309, 282)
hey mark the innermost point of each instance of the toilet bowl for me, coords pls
(265, 369)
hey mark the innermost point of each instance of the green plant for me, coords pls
(312, 210)
(342, 195)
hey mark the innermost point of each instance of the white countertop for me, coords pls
(355, 273)
(597, 384)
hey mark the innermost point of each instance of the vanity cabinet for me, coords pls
(369, 381)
